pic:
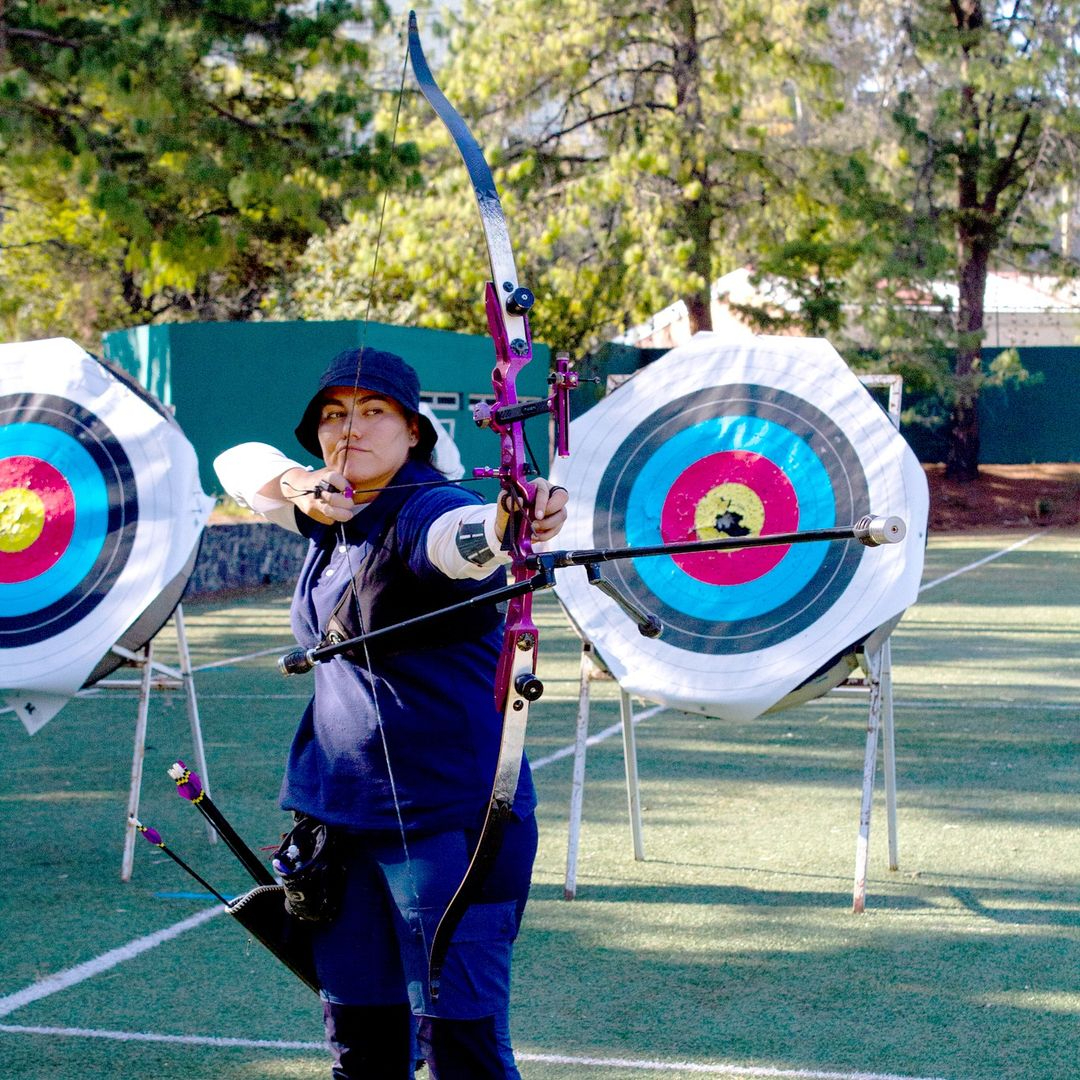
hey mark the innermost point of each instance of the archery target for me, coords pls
(100, 510)
(772, 436)
(57, 565)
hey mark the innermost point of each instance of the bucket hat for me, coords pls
(382, 373)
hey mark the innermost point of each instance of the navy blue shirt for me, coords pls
(426, 704)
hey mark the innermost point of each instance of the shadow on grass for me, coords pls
(938, 1002)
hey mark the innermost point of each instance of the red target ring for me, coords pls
(731, 493)
(37, 517)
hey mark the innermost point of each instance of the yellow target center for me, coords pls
(22, 517)
(729, 510)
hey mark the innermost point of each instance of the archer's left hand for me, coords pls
(547, 513)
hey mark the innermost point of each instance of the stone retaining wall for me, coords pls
(245, 556)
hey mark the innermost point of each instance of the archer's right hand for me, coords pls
(323, 495)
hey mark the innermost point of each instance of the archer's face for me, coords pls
(364, 436)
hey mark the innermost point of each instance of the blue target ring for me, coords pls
(814, 456)
(82, 448)
(813, 489)
(69, 458)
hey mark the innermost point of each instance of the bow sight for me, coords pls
(499, 418)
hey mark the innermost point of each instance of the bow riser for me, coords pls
(511, 356)
(513, 350)
(518, 656)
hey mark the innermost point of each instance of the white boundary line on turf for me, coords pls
(980, 562)
(717, 1070)
(154, 1037)
(592, 740)
(279, 649)
(551, 1059)
(51, 984)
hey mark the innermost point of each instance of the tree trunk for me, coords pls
(976, 234)
(695, 206)
(962, 462)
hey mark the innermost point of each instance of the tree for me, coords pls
(983, 128)
(631, 144)
(50, 234)
(206, 142)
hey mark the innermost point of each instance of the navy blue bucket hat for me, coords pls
(383, 373)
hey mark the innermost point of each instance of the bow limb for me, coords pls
(507, 304)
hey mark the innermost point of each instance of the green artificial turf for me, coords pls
(732, 947)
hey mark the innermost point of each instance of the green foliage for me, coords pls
(206, 141)
(631, 164)
(50, 234)
(983, 126)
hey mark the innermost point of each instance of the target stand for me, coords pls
(876, 683)
(779, 433)
(154, 675)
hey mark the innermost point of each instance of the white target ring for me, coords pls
(769, 436)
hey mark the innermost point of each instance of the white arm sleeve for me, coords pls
(244, 469)
(462, 543)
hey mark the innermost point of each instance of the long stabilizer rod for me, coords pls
(868, 531)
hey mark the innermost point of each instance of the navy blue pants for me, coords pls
(372, 960)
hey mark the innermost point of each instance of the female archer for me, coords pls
(392, 762)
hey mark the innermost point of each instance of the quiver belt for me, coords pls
(312, 876)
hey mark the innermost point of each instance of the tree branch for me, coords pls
(41, 35)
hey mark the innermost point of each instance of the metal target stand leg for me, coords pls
(633, 786)
(577, 783)
(592, 668)
(879, 724)
(888, 732)
(156, 676)
(187, 677)
(146, 660)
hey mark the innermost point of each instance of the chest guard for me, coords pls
(385, 591)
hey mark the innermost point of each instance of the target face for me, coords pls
(762, 461)
(718, 440)
(100, 514)
(68, 514)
